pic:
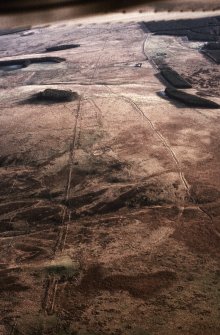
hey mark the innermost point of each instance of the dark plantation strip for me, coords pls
(189, 99)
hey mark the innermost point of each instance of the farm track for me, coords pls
(52, 287)
(159, 135)
(164, 141)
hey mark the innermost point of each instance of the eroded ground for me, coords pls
(109, 203)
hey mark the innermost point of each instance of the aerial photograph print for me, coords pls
(110, 167)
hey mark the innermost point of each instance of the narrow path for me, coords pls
(52, 286)
(159, 135)
(99, 114)
(50, 296)
(182, 177)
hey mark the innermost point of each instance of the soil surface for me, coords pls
(109, 203)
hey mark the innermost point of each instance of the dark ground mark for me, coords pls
(214, 55)
(51, 95)
(109, 200)
(212, 50)
(194, 29)
(9, 281)
(211, 46)
(13, 30)
(62, 47)
(189, 99)
(198, 234)
(14, 64)
(173, 78)
(139, 286)
(47, 214)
